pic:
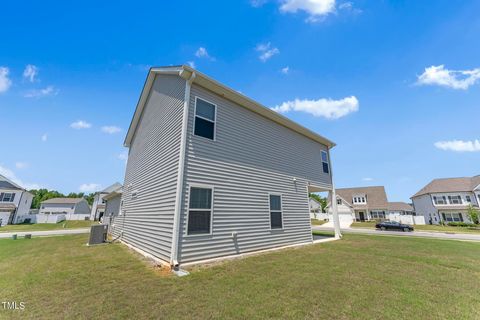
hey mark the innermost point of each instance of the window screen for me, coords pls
(276, 212)
(200, 210)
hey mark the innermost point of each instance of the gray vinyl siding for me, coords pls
(152, 170)
(251, 157)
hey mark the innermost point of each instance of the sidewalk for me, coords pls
(422, 234)
(45, 233)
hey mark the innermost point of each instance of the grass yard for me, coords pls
(427, 227)
(316, 222)
(360, 277)
(69, 224)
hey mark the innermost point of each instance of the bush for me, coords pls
(460, 224)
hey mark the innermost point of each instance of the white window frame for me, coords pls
(214, 122)
(359, 199)
(270, 211)
(200, 186)
(450, 214)
(468, 199)
(457, 197)
(444, 199)
(11, 194)
(327, 162)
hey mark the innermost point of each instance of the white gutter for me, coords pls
(189, 77)
(336, 220)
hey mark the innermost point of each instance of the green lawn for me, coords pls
(436, 228)
(316, 222)
(359, 277)
(70, 224)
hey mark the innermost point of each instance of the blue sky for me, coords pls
(395, 84)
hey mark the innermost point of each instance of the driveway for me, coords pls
(45, 233)
(422, 234)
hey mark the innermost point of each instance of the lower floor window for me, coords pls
(200, 210)
(276, 220)
(452, 217)
(377, 214)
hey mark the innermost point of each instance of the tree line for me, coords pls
(45, 194)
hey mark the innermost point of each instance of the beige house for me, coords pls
(447, 200)
(362, 203)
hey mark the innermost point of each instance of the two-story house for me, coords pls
(447, 200)
(99, 203)
(212, 173)
(15, 201)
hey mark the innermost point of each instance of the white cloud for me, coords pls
(44, 137)
(455, 79)
(9, 174)
(266, 51)
(5, 82)
(111, 129)
(285, 70)
(80, 124)
(367, 179)
(89, 187)
(191, 64)
(316, 9)
(123, 156)
(203, 53)
(39, 93)
(30, 72)
(327, 108)
(21, 165)
(459, 145)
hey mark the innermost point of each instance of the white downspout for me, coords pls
(336, 220)
(189, 77)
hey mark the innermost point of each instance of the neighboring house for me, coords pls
(15, 201)
(212, 173)
(113, 201)
(316, 210)
(361, 204)
(315, 206)
(400, 208)
(98, 205)
(447, 200)
(70, 207)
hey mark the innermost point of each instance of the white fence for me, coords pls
(407, 219)
(48, 218)
(81, 217)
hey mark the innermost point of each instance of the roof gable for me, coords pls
(203, 80)
(462, 184)
(6, 183)
(376, 196)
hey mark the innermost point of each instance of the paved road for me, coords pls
(423, 234)
(45, 233)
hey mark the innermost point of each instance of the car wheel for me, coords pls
(383, 228)
(406, 229)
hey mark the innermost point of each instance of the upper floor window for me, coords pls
(200, 210)
(325, 163)
(439, 200)
(468, 199)
(276, 220)
(7, 197)
(455, 199)
(205, 117)
(360, 199)
(339, 201)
